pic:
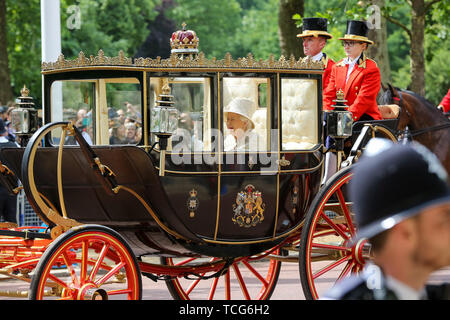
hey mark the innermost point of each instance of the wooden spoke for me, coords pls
(99, 261)
(241, 281)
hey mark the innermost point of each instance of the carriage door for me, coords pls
(248, 171)
(300, 161)
(191, 169)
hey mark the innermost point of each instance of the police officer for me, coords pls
(401, 202)
(356, 75)
(315, 35)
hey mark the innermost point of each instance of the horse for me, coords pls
(422, 121)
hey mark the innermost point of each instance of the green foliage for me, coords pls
(215, 23)
(334, 48)
(239, 27)
(258, 33)
(437, 78)
(24, 46)
(110, 25)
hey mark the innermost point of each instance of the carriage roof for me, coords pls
(199, 63)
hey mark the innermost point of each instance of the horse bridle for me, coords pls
(414, 133)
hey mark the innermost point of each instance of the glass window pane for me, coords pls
(124, 112)
(246, 114)
(74, 101)
(299, 127)
(192, 99)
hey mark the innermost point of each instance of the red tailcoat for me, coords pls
(360, 90)
(328, 63)
(445, 103)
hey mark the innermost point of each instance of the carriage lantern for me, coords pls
(339, 121)
(24, 118)
(164, 122)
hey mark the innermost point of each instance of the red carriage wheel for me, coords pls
(249, 278)
(325, 256)
(87, 263)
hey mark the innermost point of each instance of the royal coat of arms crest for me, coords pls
(249, 207)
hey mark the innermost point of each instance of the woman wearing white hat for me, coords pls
(238, 116)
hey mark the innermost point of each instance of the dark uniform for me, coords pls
(392, 183)
(372, 285)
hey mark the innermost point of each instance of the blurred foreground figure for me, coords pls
(402, 206)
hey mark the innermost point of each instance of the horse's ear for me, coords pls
(393, 90)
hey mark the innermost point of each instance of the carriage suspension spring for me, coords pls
(222, 271)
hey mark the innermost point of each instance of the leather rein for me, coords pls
(414, 133)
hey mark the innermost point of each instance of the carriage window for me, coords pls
(124, 112)
(299, 130)
(246, 114)
(106, 111)
(192, 99)
(74, 101)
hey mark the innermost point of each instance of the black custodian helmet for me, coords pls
(395, 184)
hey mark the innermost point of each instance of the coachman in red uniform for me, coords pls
(356, 75)
(445, 103)
(315, 35)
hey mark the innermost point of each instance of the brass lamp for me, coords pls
(24, 118)
(339, 120)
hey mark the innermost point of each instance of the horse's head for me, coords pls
(392, 95)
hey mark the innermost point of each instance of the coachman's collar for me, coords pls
(361, 62)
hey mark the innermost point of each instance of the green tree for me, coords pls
(5, 84)
(215, 23)
(419, 11)
(110, 25)
(258, 33)
(23, 26)
(287, 29)
(437, 78)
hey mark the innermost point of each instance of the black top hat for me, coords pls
(357, 31)
(395, 184)
(314, 27)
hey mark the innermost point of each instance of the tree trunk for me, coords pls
(378, 34)
(287, 30)
(417, 47)
(5, 82)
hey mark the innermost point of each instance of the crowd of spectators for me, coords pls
(124, 124)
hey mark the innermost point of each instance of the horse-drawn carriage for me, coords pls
(175, 204)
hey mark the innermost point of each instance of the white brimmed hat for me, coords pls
(242, 106)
